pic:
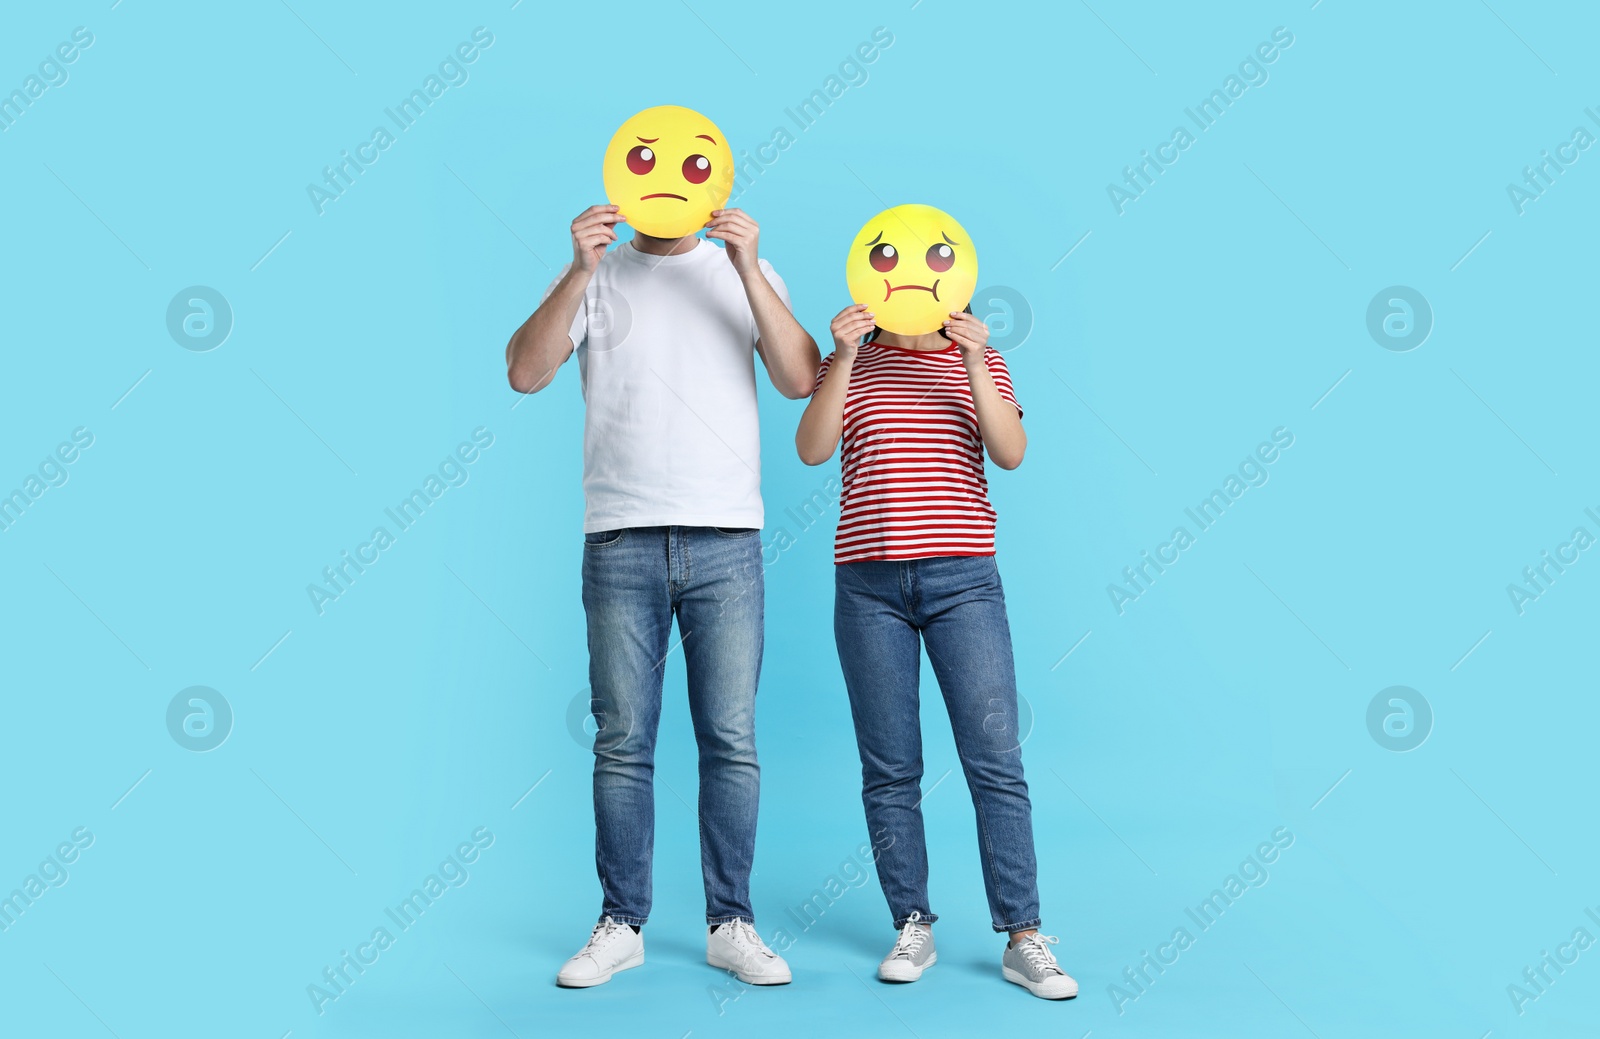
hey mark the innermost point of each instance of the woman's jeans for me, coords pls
(634, 582)
(955, 605)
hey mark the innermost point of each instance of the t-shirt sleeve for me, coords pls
(1002, 377)
(580, 321)
(777, 286)
(822, 371)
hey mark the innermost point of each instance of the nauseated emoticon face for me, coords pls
(912, 266)
(666, 169)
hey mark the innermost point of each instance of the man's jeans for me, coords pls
(956, 606)
(634, 582)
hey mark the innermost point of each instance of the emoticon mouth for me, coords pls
(663, 194)
(889, 290)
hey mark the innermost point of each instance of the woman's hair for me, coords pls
(876, 330)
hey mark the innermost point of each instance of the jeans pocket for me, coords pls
(602, 538)
(736, 532)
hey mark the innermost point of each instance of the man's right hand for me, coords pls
(544, 341)
(592, 232)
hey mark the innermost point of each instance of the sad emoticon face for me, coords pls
(912, 266)
(666, 169)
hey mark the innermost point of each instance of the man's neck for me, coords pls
(663, 246)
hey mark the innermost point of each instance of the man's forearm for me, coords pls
(540, 346)
(788, 350)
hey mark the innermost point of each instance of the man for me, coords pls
(666, 331)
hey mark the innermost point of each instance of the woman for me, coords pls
(914, 559)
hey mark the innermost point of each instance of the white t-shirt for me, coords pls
(666, 357)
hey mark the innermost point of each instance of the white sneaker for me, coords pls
(738, 948)
(611, 947)
(1031, 964)
(912, 954)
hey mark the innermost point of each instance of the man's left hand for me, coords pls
(740, 234)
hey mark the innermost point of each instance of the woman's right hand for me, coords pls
(823, 421)
(849, 326)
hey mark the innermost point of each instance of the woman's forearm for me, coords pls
(823, 420)
(998, 422)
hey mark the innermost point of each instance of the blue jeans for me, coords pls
(634, 582)
(956, 607)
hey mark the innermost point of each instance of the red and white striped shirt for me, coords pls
(912, 460)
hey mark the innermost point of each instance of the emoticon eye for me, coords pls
(641, 160)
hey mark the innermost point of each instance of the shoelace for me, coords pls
(745, 936)
(603, 933)
(1036, 950)
(911, 938)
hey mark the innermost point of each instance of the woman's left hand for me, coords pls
(969, 334)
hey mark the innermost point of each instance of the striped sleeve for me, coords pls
(822, 372)
(1002, 377)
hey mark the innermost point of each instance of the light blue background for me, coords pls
(1230, 699)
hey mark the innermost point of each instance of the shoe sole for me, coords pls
(904, 973)
(628, 964)
(1035, 987)
(750, 979)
